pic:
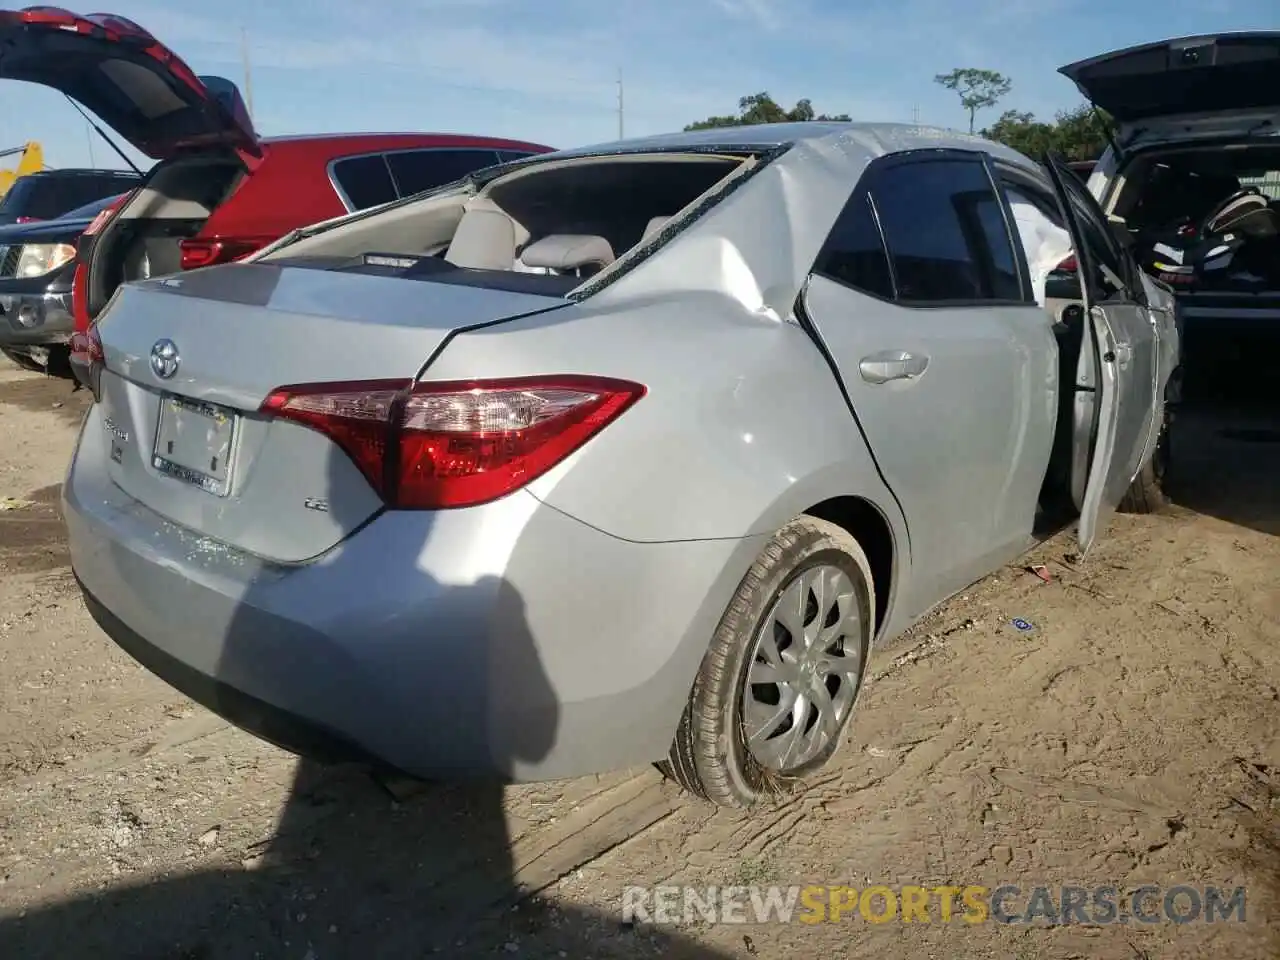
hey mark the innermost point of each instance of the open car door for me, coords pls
(1115, 385)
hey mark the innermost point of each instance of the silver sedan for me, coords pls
(609, 456)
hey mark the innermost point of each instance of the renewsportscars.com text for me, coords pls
(971, 904)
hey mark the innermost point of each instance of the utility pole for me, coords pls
(915, 114)
(620, 106)
(88, 135)
(248, 78)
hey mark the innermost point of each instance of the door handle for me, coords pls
(892, 365)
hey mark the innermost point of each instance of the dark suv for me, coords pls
(50, 194)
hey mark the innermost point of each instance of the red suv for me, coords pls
(219, 191)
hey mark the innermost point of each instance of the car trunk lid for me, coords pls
(189, 360)
(1230, 73)
(118, 70)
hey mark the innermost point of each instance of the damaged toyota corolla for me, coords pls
(608, 456)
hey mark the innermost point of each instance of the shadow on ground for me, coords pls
(40, 393)
(1226, 438)
(449, 676)
(349, 874)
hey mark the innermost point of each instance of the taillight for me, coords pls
(88, 359)
(197, 253)
(1068, 265)
(27, 220)
(107, 212)
(437, 445)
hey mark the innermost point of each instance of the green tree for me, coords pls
(1023, 132)
(1083, 132)
(978, 89)
(1078, 134)
(762, 108)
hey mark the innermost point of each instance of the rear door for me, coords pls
(925, 309)
(1125, 347)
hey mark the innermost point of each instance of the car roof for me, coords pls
(875, 139)
(392, 140)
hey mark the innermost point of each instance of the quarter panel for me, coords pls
(743, 420)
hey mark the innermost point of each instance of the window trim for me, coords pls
(866, 187)
(1042, 185)
(862, 192)
(1130, 274)
(331, 167)
(1011, 233)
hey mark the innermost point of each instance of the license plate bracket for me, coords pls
(195, 443)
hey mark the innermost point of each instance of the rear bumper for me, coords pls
(507, 640)
(35, 319)
(288, 731)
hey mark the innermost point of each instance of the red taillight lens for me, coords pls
(1068, 265)
(432, 446)
(206, 253)
(100, 221)
(27, 220)
(88, 359)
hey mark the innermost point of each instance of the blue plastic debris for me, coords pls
(1023, 625)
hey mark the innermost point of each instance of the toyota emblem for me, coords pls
(164, 359)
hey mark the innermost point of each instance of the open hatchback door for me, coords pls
(1114, 395)
(136, 85)
(1231, 80)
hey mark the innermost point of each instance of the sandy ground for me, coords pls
(1131, 736)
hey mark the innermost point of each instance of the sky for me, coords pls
(547, 71)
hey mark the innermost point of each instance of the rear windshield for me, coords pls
(45, 198)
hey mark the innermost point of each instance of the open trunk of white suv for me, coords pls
(1193, 172)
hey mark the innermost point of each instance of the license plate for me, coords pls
(194, 443)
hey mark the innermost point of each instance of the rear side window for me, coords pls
(854, 253)
(507, 156)
(366, 181)
(418, 170)
(946, 234)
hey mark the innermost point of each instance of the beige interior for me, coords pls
(488, 230)
(185, 190)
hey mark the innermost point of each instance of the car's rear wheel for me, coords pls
(784, 670)
(1146, 494)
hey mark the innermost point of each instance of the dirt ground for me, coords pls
(1131, 736)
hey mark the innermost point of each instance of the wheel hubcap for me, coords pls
(805, 669)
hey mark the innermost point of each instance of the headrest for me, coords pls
(568, 251)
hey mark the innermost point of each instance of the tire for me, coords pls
(711, 755)
(60, 363)
(22, 360)
(1146, 493)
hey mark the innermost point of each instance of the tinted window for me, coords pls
(995, 235)
(854, 252)
(945, 231)
(48, 197)
(506, 156)
(365, 180)
(418, 170)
